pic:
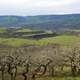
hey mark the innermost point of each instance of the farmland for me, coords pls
(23, 38)
(62, 40)
(29, 54)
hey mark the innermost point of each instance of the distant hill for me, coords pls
(70, 21)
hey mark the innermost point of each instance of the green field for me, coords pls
(60, 78)
(2, 30)
(15, 40)
(57, 78)
(63, 40)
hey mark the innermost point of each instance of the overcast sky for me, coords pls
(39, 7)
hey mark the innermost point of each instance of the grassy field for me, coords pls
(50, 78)
(24, 30)
(60, 78)
(63, 40)
(39, 53)
(2, 30)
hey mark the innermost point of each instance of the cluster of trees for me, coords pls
(53, 64)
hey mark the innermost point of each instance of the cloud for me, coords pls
(37, 7)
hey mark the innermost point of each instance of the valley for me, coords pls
(40, 47)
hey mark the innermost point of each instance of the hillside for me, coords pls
(42, 21)
(40, 47)
(24, 37)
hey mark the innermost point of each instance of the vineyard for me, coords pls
(27, 54)
(39, 63)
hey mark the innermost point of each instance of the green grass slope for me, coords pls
(63, 40)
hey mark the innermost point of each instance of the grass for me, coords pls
(56, 78)
(24, 30)
(63, 40)
(60, 78)
(48, 31)
(51, 78)
(76, 30)
(2, 30)
(27, 30)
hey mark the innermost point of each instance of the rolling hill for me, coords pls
(70, 21)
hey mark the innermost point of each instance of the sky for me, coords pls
(39, 7)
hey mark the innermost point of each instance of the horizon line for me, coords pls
(41, 14)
